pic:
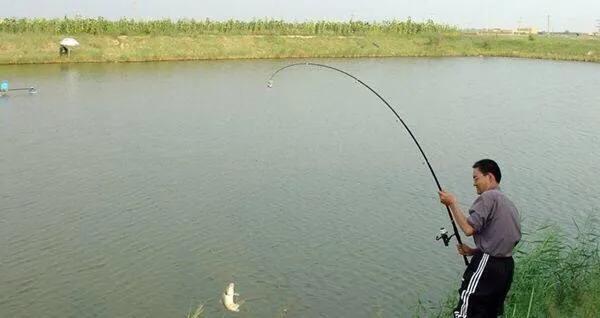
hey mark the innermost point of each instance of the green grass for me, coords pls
(554, 277)
(24, 48)
(36, 41)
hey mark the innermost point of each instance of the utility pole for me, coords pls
(548, 25)
(134, 9)
(598, 25)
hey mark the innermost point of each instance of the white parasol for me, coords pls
(69, 42)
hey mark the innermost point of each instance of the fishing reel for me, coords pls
(444, 236)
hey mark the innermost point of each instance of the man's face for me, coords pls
(481, 181)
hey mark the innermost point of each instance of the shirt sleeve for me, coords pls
(480, 212)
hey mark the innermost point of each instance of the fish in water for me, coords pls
(228, 298)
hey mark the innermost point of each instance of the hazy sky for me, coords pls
(572, 15)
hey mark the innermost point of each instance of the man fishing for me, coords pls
(493, 220)
(494, 223)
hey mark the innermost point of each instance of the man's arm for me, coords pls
(449, 200)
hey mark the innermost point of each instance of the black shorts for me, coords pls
(485, 283)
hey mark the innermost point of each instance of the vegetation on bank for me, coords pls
(554, 277)
(36, 41)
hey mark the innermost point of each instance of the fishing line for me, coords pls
(443, 235)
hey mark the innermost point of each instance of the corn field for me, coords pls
(99, 26)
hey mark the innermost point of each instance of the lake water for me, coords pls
(141, 190)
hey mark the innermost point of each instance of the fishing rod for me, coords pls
(5, 89)
(30, 89)
(443, 233)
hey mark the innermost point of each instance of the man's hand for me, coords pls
(464, 249)
(447, 198)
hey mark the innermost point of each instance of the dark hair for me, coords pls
(489, 166)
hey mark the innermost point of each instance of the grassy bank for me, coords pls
(554, 277)
(36, 41)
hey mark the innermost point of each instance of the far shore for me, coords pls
(40, 48)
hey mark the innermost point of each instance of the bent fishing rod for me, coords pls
(443, 233)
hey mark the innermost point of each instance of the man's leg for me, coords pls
(487, 295)
(507, 277)
(467, 280)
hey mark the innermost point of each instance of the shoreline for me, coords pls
(42, 48)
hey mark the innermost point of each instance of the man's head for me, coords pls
(486, 175)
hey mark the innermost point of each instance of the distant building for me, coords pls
(526, 31)
(490, 31)
(501, 31)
